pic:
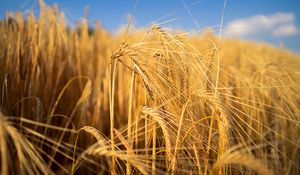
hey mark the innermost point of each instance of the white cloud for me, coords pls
(278, 24)
(285, 30)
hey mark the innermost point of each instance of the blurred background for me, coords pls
(276, 22)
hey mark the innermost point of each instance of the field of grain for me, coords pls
(76, 100)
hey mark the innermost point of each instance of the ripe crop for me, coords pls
(153, 101)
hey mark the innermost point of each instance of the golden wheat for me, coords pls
(83, 101)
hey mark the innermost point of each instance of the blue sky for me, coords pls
(273, 21)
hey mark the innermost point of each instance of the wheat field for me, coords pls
(76, 100)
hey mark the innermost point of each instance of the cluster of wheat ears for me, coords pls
(151, 101)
